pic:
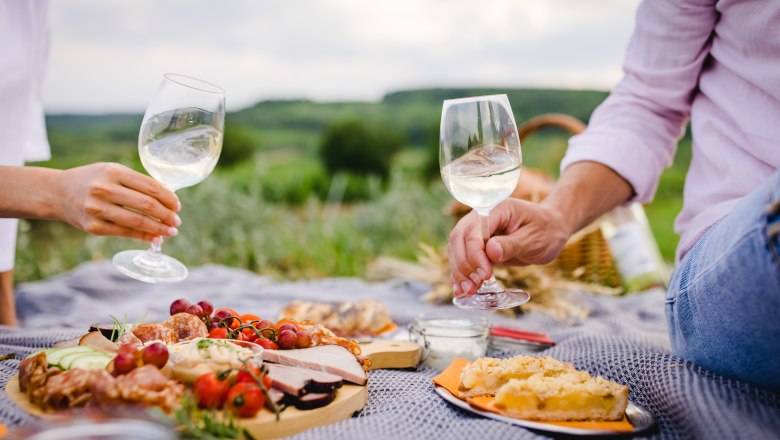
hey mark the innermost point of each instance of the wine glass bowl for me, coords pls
(480, 161)
(179, 144)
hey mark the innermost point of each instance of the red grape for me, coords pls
(303, 340)
(290, 327)
(127, 348)
(179, 306)
(287, 339)
(222, 314)
(124, 363)
(196, 310)
(155, 354)
(207, 308)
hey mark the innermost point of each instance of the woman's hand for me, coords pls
(521, 233)
(111, 199)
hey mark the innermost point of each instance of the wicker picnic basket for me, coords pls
(586, 257)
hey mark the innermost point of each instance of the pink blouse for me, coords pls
(717, 62)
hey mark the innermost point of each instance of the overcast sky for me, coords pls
(108, 56)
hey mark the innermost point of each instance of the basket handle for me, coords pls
(559, 120)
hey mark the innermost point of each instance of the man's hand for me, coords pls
(111, 199)
(521, 233)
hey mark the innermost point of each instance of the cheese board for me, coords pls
(350, 398)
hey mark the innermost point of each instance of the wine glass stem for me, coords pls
(155, 249)
(489, 285)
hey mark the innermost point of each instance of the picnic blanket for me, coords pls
(624, 340)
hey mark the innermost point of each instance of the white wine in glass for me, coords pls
(480, 165)
(179, 144)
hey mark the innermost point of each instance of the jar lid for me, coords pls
(445, 325)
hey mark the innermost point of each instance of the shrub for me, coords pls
(357, 148)
(237, 145)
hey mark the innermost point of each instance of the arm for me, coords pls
(98, 198)
(527, 233)
(631, 138)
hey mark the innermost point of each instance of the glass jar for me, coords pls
(444, 338)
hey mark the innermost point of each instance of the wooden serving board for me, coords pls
(349, 398)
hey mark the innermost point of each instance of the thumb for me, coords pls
(502, 248)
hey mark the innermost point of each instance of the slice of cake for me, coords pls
(485, 376)
(570, 396)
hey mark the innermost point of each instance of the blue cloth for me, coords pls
(723, 304)
(624, 339)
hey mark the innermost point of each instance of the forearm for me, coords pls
(29, 192)
(585, 191)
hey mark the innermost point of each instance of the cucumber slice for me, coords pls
(65, 361)
(91, 361)
(53, 357)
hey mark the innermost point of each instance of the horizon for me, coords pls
(314, 101)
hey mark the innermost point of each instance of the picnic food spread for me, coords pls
(241, 365)
(271, 374)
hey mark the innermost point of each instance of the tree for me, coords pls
(359, 148)
(237, 145)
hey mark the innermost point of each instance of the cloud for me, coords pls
(109, 56)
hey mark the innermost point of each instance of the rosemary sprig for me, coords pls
(121, 327)
(196, 423)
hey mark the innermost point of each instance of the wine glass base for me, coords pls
(160, 269)
(503, 299)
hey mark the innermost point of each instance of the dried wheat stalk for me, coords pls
(549, 290)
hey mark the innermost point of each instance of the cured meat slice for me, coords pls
(299, 381)
(144, 385)
(312, 401)
(276, 396)
(328, 358)
(70, 389)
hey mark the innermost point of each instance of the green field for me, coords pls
(275, 209)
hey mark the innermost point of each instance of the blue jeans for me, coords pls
(723, 305)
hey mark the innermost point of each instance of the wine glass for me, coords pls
(179, 144)
(480, 164)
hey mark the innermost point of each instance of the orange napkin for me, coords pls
(449, 379)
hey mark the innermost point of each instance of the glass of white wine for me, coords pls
(179, 144)
(480, 163)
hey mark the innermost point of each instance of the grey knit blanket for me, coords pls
(624, 340)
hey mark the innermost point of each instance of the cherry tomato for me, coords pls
(267, 344)
(218, 333)
(212, 390)
(251, 337)
(244, 376)
(248, 317)
(241, 337)
(245, 399)
(287, 321)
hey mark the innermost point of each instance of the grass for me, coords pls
(280, 213)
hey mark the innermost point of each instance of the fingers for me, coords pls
(147, 185)
(139, 223)
(123, 196)
(468, 263)
(102, 227)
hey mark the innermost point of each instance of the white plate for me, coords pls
(640, 418)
